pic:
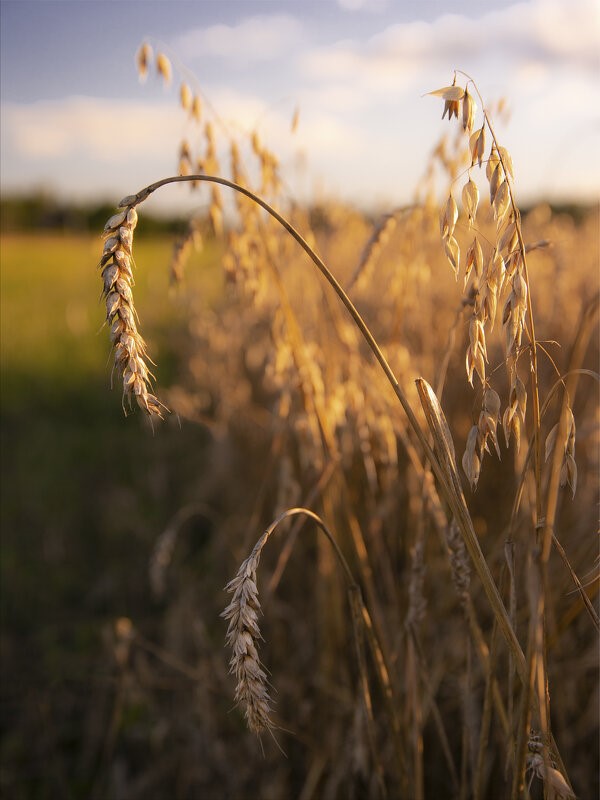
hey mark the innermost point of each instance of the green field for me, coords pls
(52, 315)
(85, 492)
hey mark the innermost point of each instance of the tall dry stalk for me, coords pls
(335, 411)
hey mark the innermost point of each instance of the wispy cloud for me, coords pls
(258, 38)
(548, 32)
(363, 5)
(101, 140)
(110, 130)
(360, 113)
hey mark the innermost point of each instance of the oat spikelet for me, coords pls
(295, 120)
(513, 419)
(448, 219)
(185, 96)
(513, 317)
(471, 460)
(163, 67)
(130, 355)
(488, 420)
(568, 472)
(196, 109)
(468, 112)
(452, 95)
(142, 59)
(476, 351)
(480, 434)
(470, 198)
(243, 635)
(477, 146)
(474, 260)
(557, 786)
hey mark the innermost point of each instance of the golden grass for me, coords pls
(334, 394)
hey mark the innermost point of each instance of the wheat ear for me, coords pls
(130, 354)
(444, 471)
(243, 633)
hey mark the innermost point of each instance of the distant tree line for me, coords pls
(43, 211)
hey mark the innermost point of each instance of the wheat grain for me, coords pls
(130, 354)
(243, 635)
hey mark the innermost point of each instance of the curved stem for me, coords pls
(325, 271)
(294, 512)
(453, 496)
(362, 624)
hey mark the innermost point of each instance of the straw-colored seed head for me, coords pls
(452, 250)
(501, 202)
(492, 164)
(143, 59)
(185, 96)
(488, 419)
(496, 178)
(496, 270)
(471, 460)
(552, 778)
(504, 155)
(163, 67)
(568, 473)
(127, 201)
(509, 239)
(514, 414)
(452, 95)
(448, 217)
(468, 112)
(295, 120)
(115, 221)
(196, 110)
(476, 351)
(474, 259)
(243, 634)
(117, 282)
(470, 198)
(477, 146)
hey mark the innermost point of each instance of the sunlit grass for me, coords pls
(52, 318)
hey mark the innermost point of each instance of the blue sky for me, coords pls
(75, 118)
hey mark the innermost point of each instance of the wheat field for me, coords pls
(358, 444)
(380, 578)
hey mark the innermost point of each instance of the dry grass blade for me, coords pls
(440, 430)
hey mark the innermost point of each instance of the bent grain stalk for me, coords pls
(447, 478)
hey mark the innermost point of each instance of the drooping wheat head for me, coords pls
(116, 268)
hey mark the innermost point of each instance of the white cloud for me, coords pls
(320, 131)
(254, 39)
(81, 144)
(107, 130)
(362, 5)
(361, 123)
(551, 32)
